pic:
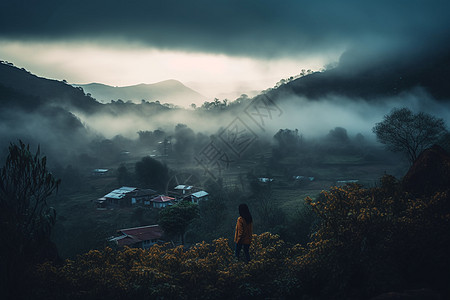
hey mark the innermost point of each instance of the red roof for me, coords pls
(139, 234)
(125, 240)
(162, 198)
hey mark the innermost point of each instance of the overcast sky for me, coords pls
(249, 42)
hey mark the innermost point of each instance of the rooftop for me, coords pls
(138, 234)
(162, 198)
(183, 187)
(200, 194)
(120, 193)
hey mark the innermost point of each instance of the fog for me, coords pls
(314, 118)
(128, 124)
(73, 128)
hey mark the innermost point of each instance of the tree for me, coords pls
(123, 176)
(289, 141)
(184, 141)
(26, 219)
(338, 134)
(409, 133)
(152, 173)
(175, 219)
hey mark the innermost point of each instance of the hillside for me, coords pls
(59, 117)
(376, 243)
(375, 76)
(39, 112)
(49, 91)
(168, 91)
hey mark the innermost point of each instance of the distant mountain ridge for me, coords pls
(168, 91)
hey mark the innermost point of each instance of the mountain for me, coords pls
(68, 124)
(41, 91)
(39, 112)
(376, 76)
(168, 91)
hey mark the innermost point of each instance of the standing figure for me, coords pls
(244, 231)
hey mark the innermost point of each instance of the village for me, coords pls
(146, 236)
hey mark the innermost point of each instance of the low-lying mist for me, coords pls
(72, 136)
(128, 124)
(313, 118)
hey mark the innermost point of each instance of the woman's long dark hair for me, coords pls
(245, 213)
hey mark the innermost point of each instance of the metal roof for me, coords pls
(183, 187)
(120, 193)
(200, 194)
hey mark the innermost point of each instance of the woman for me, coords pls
(244, 231)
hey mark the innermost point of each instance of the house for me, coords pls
(119, 196)
(142, 196)
(101, 203)
(127, 196)
(198, 196)
(139, 237)
(162, 201)
(100, 172)
(183, 189)
(265, 179)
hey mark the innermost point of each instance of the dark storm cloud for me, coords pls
(252, 27)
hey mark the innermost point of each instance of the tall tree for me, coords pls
(152, 173)
(409, 133)
(184, 141)
(26, 219)
(124, 177)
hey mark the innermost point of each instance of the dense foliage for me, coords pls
(369, 241)
(175, 219)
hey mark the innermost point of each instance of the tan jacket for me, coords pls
(243, 233)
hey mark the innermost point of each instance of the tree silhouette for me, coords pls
(152, 173)
(26, 219)
(124, 177)
(409, 133)
(184, 141)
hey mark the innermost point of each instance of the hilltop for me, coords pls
(45, 91)
(168, 91)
